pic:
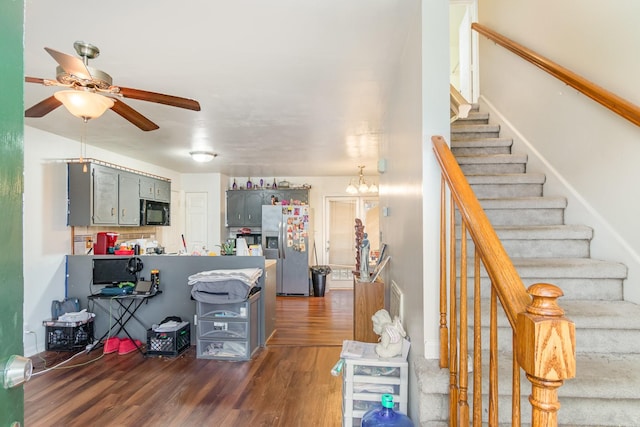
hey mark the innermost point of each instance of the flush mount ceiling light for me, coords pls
(362, 186)
(84, 104)
(202, 156)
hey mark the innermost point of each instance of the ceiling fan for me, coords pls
(78, 77)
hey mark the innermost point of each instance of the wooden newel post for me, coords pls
(546, 350)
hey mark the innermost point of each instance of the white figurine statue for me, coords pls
(364, 260)
(391, 334)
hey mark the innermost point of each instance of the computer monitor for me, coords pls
(112, 271)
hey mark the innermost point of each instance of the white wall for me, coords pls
(589, 154)
(47, 239)
(410, 188)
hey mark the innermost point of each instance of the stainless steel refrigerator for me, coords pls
(285, 237)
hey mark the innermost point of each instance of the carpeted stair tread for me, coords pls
(491, 159)
(473, 128)
(507, 178)
(569, 267)
(603, 314)
(524, 203)
(547, 232)
(487, 142)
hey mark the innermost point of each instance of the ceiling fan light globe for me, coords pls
(363, 187)
(83, 104)
(373, 188)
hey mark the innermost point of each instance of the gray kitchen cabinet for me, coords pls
(102, 196)
(163, 190)
(244, 208)
(298, 194)
(128, 198)
(155, 189)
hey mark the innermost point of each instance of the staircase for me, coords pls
(606, 390)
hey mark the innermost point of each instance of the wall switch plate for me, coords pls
(382, 165)
(385, 211)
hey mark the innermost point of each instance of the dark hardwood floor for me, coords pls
(287, 383)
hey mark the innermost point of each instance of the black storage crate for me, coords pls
(68, 336)
(169, 343)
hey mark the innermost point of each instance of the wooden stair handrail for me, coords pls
(613, 102)
(459, 104)
(543, 339)
(509, 287)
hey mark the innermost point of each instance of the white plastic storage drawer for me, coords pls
(364, 383)
(237, 310)
(228, 331)
(223, 328)
(224, 349)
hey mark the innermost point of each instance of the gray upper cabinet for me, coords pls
(155, 189)
(103, 195)
(244, 207)
(110, 196)
(163, 190)
(128, 199)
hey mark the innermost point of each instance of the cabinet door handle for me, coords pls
(249, 216)
(113, 211)
(124, 212)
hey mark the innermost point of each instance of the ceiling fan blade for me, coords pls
(44, 82)
(133, 116)
(174, 101)
(37, 80)
(72, 65)
(43, 107)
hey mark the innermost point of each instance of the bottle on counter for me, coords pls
(384, 415)
(155, 280)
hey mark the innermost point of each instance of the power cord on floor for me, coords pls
(59, 365)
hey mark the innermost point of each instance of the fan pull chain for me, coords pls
(83, 146)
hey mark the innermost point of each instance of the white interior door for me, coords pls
(196, 221)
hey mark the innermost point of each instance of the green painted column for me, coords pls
(11, 189)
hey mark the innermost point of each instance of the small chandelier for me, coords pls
(362, 186)
(84, 104)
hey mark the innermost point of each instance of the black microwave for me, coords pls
(154, 213)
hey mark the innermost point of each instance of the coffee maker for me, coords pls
(105, 243)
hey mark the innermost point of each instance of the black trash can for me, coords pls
(319, 279)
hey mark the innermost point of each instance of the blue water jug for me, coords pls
(385, 415)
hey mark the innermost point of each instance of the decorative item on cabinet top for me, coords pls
(261, 184)
(113, 166)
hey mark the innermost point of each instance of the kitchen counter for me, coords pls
(175, 299)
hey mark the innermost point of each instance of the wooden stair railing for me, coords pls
(613, 102)
(460, 108)
(543, 339)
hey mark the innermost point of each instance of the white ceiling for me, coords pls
(287, 87)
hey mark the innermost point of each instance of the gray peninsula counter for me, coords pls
(175, 298)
